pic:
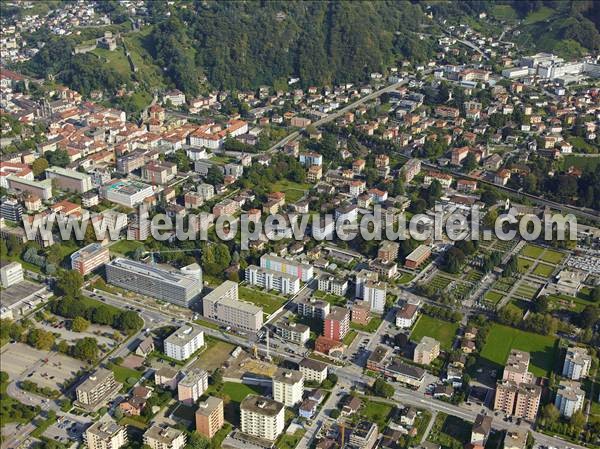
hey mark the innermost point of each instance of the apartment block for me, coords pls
(313, 308)
(337, 323)
(105, 435)
(90, 257)
(519, 400)
(569, 397)
(11, 209)
(416, 258)
(166, 285)
(272, 262)
(159, 172)
(411, 169)
(375, 295)
(69, 180)
(295, 332)
(577, 363)
(361, 278)
(388, 251)
(184, 342)
(517, 367)
(222, 305)
(331, 284)
(426, 351)
(313, 370)
(262, 417)
(210, 416)
(406, 315)
(288, 387)
(193, 385)
(11, 273)
(163, 437)
(97, 389)
(272, 280)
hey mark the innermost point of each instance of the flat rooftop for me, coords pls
(261, 405)
(183, 335)
(20, 292)
(143, 269)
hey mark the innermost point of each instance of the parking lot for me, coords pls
(47, 369)
(65, 431)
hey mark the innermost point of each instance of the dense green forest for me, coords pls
(247, 44)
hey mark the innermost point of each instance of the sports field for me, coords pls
(501, 339)
(442, 331)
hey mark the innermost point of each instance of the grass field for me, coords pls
(350, 336)
(290, 441)
(543, 270)
(376, 412)
(450, 431)
(501, 339)
(293, 190)
(371, 327)
(442, 331)
(493, 297)
(237, 392)
(125, 246)
(552, 257)
(122, 374)
(405, 278)
(568, 302)
(532, 251)
(523, 265)
(269, 302)
(539, 15)
(504, 12)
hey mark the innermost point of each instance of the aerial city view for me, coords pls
(300, 224)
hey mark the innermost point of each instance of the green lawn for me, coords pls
(269, 302)
(523, 265)
(293, 190)
(532, 251)
(125, 246)
(350, 336)
(503, 12)
(450, 431)
(206, 323)
(493, 297)
(334, 300)
(238, 392)
(122, 374)
(501, 339)
(570, 303)
(442, 331)
(543, 270)
(376, 412)
(539, 15)
(553, 257)
(371, 327)
(290, 441)
(405, 278)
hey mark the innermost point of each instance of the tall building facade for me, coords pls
(262, 417)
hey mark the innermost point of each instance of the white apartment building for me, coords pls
(10, 273)
(192, 386)
(330, 284)
(182, 343)
(313, 370)
(406, 315)
(361, 278)
(569, 397)
(374, 294)
(272, 280)
(302, 270)
(222, 305)
(105, 435)
(262, 417)
(577, 363)
(295, 332)
(159, 437)
(288, 387)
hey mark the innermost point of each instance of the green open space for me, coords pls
(524, 265)
(350, 336)
(566, 302)
(238, 392)
(532, 251)
(539, 15)
(293, 190)
(527, 291)
(502, 339)
(405, 278)
(126, 376)
(334, 300)
(543, 270)
(493, 297)
(370, 328)
(552, 257)
(286, 441)
(269, 302)
(503, 284)
(376, 412)
(450, 431)
(442, 331)
(440, 282)
(125, 246)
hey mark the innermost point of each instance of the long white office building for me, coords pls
(302, 270)
(171, 286)
(223, 305)
(286, 284)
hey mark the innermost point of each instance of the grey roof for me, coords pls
(287, 376)
(261, 405)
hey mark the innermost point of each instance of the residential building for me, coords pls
(443, 178)
(361, 312)
(262, 417)
(517, 366)
(364, 435)
(11, 210)
(166, 377)
(105, 435)
(69, 180)
(388, 251)
(222, 305)
(515, 439)
(184, 342)
(288, 387)
(411, 169)
(375, 295)
(337, 323)
(159, 172)
(426, 351)
(210, 416)
(330, 284)
(416, 258)
(97, 389)
(282, 265)
(90, 257)
(313, 370)
(126, 192)
(406, 315)
(166, 285)
(519, 400)
(11, 273)
(193, 385)
(295, 332)
(405, 373)
(361, 278)
(163, 437)
(577, 363)
(286, 284)
(569, 397)
(481, 429)
(377, 359)
(312, 308)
